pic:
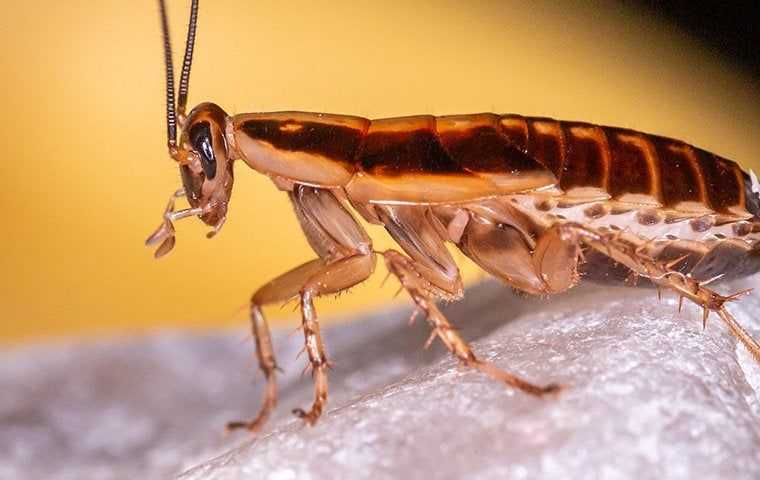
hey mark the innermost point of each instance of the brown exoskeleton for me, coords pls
(532, 201)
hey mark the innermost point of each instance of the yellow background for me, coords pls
(85, 173)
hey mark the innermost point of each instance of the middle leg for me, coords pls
(430, 274)
(416, 285)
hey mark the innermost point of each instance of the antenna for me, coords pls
(171, 114)
(187, 62)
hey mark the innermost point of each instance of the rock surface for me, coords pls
(650, 395)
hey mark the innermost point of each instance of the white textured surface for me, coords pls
(650, 395)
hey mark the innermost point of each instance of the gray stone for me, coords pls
(650, 395)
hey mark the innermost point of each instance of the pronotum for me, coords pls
(533, 201)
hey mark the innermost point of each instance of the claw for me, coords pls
(309, 417)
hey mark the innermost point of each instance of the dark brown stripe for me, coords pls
(586, 159)
(681, 175)
(723, 188)
(482, 148)
(739, 174)
(394, 153)
(633, 166)
(545, 144)
(336, 142)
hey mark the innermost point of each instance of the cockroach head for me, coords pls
(201, 149)
(205, 164)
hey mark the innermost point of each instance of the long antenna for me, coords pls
(171, 114)
(187, 62)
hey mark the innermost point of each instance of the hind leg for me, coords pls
(552, 266)
(662, 274)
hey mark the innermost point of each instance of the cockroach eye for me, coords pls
(200, 139)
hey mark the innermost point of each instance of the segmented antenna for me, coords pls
(171, 114)
(184, 81)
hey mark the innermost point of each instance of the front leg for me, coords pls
(334, 278)
(346, 259)
(279, 290)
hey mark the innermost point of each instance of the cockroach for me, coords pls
(533, 201)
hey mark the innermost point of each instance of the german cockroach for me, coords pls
(533, 201)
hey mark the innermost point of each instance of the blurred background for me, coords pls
(85, 170)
